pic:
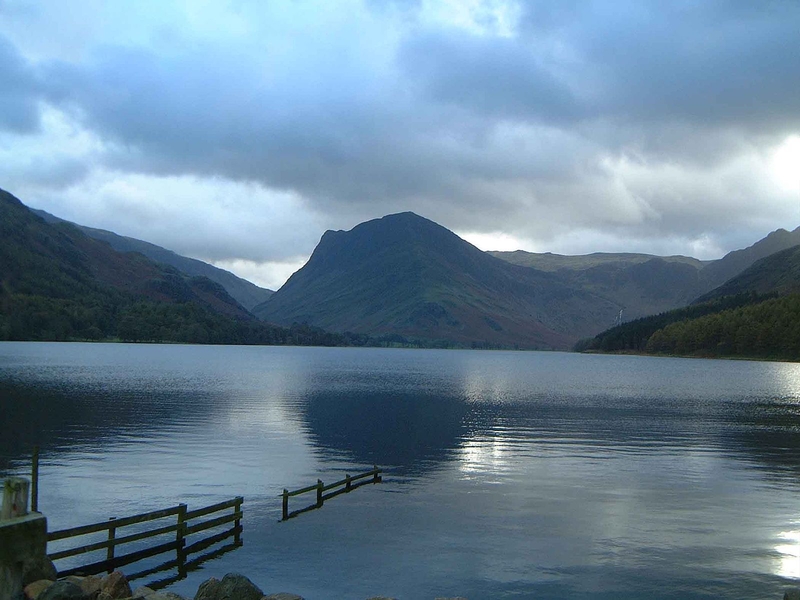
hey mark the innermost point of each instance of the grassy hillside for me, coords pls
(406, 275)
(58, 284)
(756, 314)
(244, 292)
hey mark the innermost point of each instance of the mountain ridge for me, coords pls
(407, 275)
(245, 292)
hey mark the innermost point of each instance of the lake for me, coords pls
(507, 474)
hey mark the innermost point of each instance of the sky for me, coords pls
(238, 132)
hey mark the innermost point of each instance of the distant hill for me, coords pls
(56, 283)
(244, 292)
(644, 284)
(547, 261)
(755, 314)
(408, 276)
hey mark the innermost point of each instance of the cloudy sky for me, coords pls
(238, 132)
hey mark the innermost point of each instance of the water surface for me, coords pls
(508, 474)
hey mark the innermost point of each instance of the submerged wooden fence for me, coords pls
(347, 484)
(186, 524)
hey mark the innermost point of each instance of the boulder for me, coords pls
(232, 587)
(114, 586)
(165, 596)
(63, 590)
(142, 592)
(283, 596)
(32, 590)
(90, 584)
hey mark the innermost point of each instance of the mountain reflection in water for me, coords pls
(507, 474)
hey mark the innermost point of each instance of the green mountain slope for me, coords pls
(58, 284)
(406, 275)
(755, 314)
(719, 271)
(244, 292)
(778, 273)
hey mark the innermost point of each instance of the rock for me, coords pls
(63, 590)
(456, 598)
(114, 586)
(381, 598)
(232, 587)
(793, 594)
(90, 584)
(282, 596)
(165, 596)
(32, 590)
(142, 592)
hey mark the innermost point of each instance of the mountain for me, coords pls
(755, 314)
(547, 261)
(244, 292)
(644, 284)
(778, 273)
(733, 263)
(56, 283)
(405, 275)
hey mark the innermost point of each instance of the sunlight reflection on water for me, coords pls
(509, 474)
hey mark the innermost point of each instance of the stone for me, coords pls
(456, 598)
(232, 587)
(283, 596)
(165, 596)
(32, 590)
(91, 584)
(142, 592)
(114, 586)
(63, 590)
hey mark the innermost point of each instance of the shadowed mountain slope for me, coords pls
(719, 271)
(245, 293)
(755, 314)
(778, 273)
(406, 275)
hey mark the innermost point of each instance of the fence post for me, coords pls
(376, 478)
(285, 504)
(35, 480)
(110, 554)
(348, 484)
(319, 493)
(237, 537)
(180, 537)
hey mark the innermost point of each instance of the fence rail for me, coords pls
(182, 527)
(347, 484)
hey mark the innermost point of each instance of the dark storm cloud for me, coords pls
(629, 119)
(19, 92)
(715, 63)
(495, 77)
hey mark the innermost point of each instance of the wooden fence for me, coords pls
(347, 484)
(186, 524)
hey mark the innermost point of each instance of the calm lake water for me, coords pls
(508, 474)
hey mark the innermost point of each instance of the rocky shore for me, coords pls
(116, 587)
